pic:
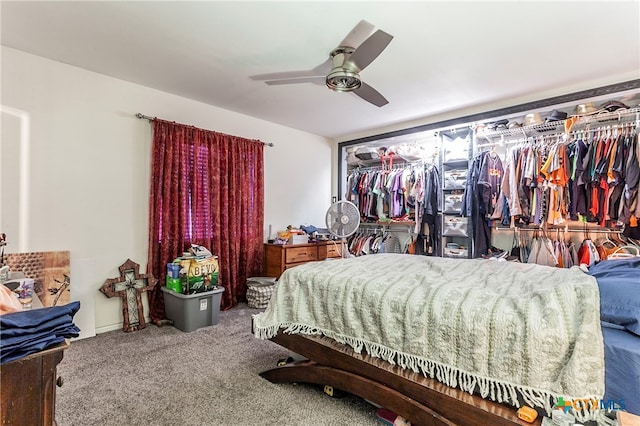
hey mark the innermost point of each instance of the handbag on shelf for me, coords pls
(453, 202)
(455, 226)
(458, 150)
(367, 153)
(409, 152)
(351, 159)
(455, 179)
(455, 250)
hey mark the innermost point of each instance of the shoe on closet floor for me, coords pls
(390, 418)
(495, 253)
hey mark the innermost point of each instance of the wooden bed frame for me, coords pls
(420, 400)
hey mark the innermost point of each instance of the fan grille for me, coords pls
(343, 219)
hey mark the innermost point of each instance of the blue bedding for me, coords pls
(622, 367)
(619, 284)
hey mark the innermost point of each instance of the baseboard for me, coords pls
(113, 327)
(107, 328)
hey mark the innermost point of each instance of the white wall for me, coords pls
(88, 170)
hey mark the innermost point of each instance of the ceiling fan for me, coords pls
(341, 72)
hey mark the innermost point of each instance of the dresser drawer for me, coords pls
(301, 254)
(330, 250)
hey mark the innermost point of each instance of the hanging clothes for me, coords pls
(432, 200)
(590, 176)
(398, 194)
(475, 207)
(489, 182)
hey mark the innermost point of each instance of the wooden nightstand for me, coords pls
(278, 258)
(28, 388)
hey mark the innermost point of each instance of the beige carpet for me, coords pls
(163, 376)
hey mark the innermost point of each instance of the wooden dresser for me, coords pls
(28, 388)
(278, 257)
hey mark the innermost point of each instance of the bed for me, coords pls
(441, 341)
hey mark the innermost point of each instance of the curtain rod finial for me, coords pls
(144, 117)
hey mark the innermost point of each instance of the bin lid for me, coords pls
(256, 281)
(216, 290)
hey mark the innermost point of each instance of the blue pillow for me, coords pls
(619, 283)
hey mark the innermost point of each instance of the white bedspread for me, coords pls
(497, 327)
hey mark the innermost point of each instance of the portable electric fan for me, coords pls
(343, 219)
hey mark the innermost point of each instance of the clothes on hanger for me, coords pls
(475, 205)
(366, 242)
(591, 176)
(402, 193)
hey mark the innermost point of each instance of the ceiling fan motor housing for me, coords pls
(343, 77)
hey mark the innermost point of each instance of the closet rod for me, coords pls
(394, 167)
(508, 142)
(149, 118)
(379, 168)
(573, 133)
(409, 224)
(553, 230)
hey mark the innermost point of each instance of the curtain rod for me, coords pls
(148, 117)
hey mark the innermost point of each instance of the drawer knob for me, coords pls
(60, 381)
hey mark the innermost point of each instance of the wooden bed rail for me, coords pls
(420, 400)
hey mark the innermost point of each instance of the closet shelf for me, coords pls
(584, 122)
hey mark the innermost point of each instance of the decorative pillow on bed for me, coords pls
(619, 283)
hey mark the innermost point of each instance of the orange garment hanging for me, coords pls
(559, 176)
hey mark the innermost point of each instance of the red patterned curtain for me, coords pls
(207, 188)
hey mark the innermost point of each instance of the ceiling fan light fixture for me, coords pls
(343, 76)
(342, 80)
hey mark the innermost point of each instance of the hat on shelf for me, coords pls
(586, 109)
(633, 99)
(613, 106)
(479, 127)
(532, 119)
(497, 125)
(556, 116)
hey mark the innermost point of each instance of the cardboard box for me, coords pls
(198, 275)
(192, 311)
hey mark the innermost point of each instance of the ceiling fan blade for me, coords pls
(371, 95)
(358, 34)
(324, 68)
(320, 70)
(370, 49)
(313, 79)
(285, 75)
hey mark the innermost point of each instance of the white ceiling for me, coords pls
(446, 57)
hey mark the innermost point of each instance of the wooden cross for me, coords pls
(129, 286)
